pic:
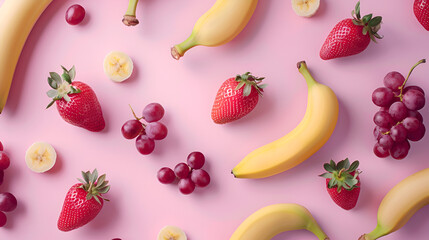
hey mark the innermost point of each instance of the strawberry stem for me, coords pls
(401, 88)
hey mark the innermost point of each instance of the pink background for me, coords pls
(270, 46)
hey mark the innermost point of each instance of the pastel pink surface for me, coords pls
(270, 46)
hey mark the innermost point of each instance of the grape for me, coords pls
(7, 202)
(153, 112)
(413, 87)
(166, 175)
(200, 177)
(414, 99)
(415, 114)
(1, 146)
(411, 123)
(386, 141)
(186, 186)
(378, 130)
(398, 111)
(145, 145)
(398, 133)
(393, 80)
(131, 129)
(382, 97)
(400, 150)
(383, 119)
(384, 109)
(418, 134)
(3, 219)
(4, 161)
(75, 14)
(196, 160)
(380, 151)
(156, 130)
(1, 176)
(182, 170)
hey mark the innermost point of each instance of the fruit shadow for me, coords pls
(10, 174)
(213, 187)
(108, 215)
(416, 224)
(58, 165)
(323, 8)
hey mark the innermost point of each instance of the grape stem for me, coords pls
(401, 88)
(137, 118)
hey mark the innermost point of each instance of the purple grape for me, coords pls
(411, 124)
(156, 130)
(400, 150)
(393, 80)
(415, 114)
(75, 14)
(153, 112)
(3, 219)
(386, 141)
(398, 111)
(415, 88)
(166, 175)
(196, 160)
(380, 152)
(398, 133)
(4, 161)
(383, 119)
(131, 129)
(186, 186)
(7, 202)
(182, 170)
(414, 99)
(382, 97)
(145, 145)
(384, 109)
(200, 177)
(418, 134)
(378, 130)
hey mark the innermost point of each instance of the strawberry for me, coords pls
(343, 183)
(83, 201)
(351, 36)
(76, 102)
(235, 98)
(421, 11)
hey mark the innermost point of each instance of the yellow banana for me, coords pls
(219, 25)
(307, 138)
(269, 221)
(17, 18)
(400, 204)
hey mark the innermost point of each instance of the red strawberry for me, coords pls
(76, 102)
(343, 183)
(83, 201)
(235, 98)
(421, 10)
(351, 36)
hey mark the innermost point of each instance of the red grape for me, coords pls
(386, 141)
(186, 186)
(1, 176)
(414, 99)
(398, 111)
(156, 130)
(7, 202)
(166, 175)
(411, 123)
(380, 151)
(200, 177)
(145, 145)
(182, 170)
(196, 160)
(383, 119)
(413, 87)
(153, 112)
(400, 150)
(382, 97)
(398, 133)
(75, 14)
(378, 130)
(418, 134)
(3, 219)
(4, 161)
(1, 146)
(393, 80)
(415, 114)
(131, 129)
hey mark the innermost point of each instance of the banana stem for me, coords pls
(130, 18)
(179, 49)
(302, 68)
(317, 230)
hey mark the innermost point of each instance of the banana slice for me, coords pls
(40, 157)
(118, 66)
(171, 233)
(305, 8)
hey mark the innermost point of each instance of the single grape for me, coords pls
(75, 14)
(7, 202)
(166, 175)
(400, 150)
(415, 114)
(156, 130)
(393, 80)
(3, 219)
(383, 119)
(418, 134)
(131, 129)
(182, 170)
(415, 88)
(414, 99)
(386, 141)
(411, 123)
(380, 151)
(398, 133)
(200, 177)
(186, 186)
(1, 146)
(153, 112)
(382, 97)
(145, 145)
(196, 160)
(378, 130)
(4, 161)
(398, 111)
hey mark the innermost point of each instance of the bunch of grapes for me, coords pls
(398, 120)
(189, 175)
(7, 200)
(146, 133)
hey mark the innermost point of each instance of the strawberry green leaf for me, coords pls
(56, 77)
(326, 175)
(52, 93)
(375, 21)
(85, 176)
(357, 9)
(240, 85)
(100, 180)
(66, 78)
(82, 181)
(247, 90)
(364, 31)
(347, 163)
(341, 165)
(72, 73)
(97, 199)
(328, 167)
(331, 183)
(50, 104)
(262, 86)
(67, 98)
(94, 176)
(105, 189)
(332, 163)
(89, 196)
(65, 69)
(52, 83)
(366, 18)
(354, 166)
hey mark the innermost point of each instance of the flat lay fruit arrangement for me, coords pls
(215, 119)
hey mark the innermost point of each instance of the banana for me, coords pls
(305, 8)
(17, 18)
(400, 204)
(269, 221)
(40, 157)
(219, 25)
(171, 233)
(307, 138)
(118, 66)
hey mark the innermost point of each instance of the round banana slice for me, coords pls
(305, 8)
(40, 157)
(118, 66)
(171, 233)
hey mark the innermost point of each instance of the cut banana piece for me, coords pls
(171, 233)
(118, 66)
(40, 157)
(305, 8)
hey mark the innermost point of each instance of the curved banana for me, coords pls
(17, 18)
(307, 138)
(219, 25)
(400, 204)
(269, 221)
